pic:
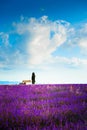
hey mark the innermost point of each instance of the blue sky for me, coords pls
(47, 37)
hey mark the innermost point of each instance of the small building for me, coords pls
(25, 82)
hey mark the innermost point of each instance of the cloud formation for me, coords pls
(74, 61)
(34, 40)
(10, 54)
(4, 39)
(82, 40)
(45, 37)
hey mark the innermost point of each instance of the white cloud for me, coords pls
(4, 39)
(45, 37)
(82, 37)
(83, 43)
(73, 61)
(83, 29)
(10, 56)
(21, 28)
(4, 45)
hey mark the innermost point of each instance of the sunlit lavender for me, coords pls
(43, 107)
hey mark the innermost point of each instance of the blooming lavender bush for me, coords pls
(43, 107)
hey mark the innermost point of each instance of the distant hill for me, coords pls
(8, 82)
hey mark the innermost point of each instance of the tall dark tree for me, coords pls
(33, 78)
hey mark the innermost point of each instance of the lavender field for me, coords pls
(43, 107)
